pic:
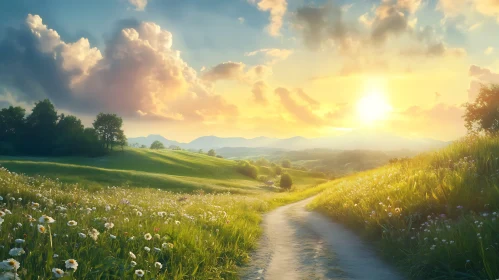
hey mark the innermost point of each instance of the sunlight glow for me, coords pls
(373, 107)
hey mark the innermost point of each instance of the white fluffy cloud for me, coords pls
(139, 5)
(277, 9)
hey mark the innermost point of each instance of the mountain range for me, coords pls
(353, 140)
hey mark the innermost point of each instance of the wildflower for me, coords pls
(94, 234)
(16, 252)
(55, 256)
(58, 273)
(71, 264)
(133, 263)
(82, 235)
(158, 265)
(10, 264)
(72, 223)
(108, 208)
(42, 229)
(147, 236)
(177, 223)
(157, 236)
(108, 225)
(139, 272)
(46, 219)
(459, 207)
(127, 220)
(147, 249)
(2, 214)
(398, 210)
(167, 245)
(132, 255)
(1, 198)
(157, 249)
(19, 241)
(112, 236)
(140, 215)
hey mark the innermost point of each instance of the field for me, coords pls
(434, 216)
(118, 231)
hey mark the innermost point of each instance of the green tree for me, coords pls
(69, 139)
(11, 129)
(286, 163)
(278, 170)
(483, 114)
(156, 145)
(122, 141)
(212, 153)
(41, 129)
(108, 127)
(286, 181)
(200, 151)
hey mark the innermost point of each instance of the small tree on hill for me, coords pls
(286, 181)
(156, 145)
(483, 114)
(108, 126)
(286, 163)
(212, 153)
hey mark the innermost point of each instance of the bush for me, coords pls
(286, 181)
(247, 169)
(286, 163)
(212, 153)
(156, 145)
(278, 170)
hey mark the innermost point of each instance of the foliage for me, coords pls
(212, 153)
(108, 127)
(435, 215)
(278, 170)
(247, 169)
(286, 181)
(174, 147)
(262, 162)
(286, 163)
(482, 115)
(157, 145)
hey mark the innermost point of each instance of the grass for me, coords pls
(194, 235)
(434, 216)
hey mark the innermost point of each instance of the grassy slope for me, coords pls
(434, 216)
(172, 170)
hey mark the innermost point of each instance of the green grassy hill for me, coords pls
(435, 216)
(165, 169)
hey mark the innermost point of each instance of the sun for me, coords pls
(373, 107)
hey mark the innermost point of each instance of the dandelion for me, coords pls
(133, 263)
(147, 236)
(132, 255)
(42, 229)
(46, 219)
(72, 223)
(147, 249)
(58, 273)
(158, 265)
(10, 264)
(139, 272)
(94, 234)
(82, 235)
(16, 252)
(108, 225)
(71, 264)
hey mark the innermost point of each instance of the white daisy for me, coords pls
(16, 252)
(71, 264)
(132, 255)
(46, 219)
(158, 265)
(139, 272)
(10, 264)
(72, 223)
(147, 236)
(58, 273)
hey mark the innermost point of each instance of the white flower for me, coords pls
(133, 263)
(158, 265)
(157, 249)
(46, 219)
(9, 276)
(177, 223)
(10, 264)
(94, 234)
(71, 264)
(139, 213)
(112, 236)
(72, 223)
(58, 273)
(42, 229)
(139, 272)
(55, 256)
(108, 208)
(16, 252)
(132, 255)
(19, 241)
(147, 236)
(2, 213)
(108, 225)
(147, 249)
(82, 235)
(1, 198)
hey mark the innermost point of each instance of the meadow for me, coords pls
(434, 216)
(90, 229)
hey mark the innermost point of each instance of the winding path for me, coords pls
(300, 244)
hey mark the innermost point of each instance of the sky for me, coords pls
(277, 68)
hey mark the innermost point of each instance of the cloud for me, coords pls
(259, 91)
(305, 97)
(274, 54)
(236, 71)
(480, 76)
(431, 45)
(277, 9)
(139, 5)
(321, 25)
(488, 7)
(489, 51)
(302, 113)
(139, 75)
(389, 20)
(241, 20)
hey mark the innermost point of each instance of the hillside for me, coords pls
(435, 216)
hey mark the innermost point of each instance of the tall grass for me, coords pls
(434, 216)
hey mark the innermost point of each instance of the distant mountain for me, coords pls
(353, 140)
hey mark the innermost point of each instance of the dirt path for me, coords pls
(299, 244)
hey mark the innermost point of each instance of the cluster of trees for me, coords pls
(46, 133)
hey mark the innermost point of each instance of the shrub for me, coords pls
(247, 169)
(278, 170)
(212, 153)
(286, 163)
(286, 181)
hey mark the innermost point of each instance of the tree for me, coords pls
(483, 114)
(41, 129)
(69, 136)
(122, 141)
(143, 146)
(174, 147)
(278, 170)
(11, 129)
(286, 163)
(286, 181)
(200, 151)
(156, 145)
(212, 153)
(108, 127)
